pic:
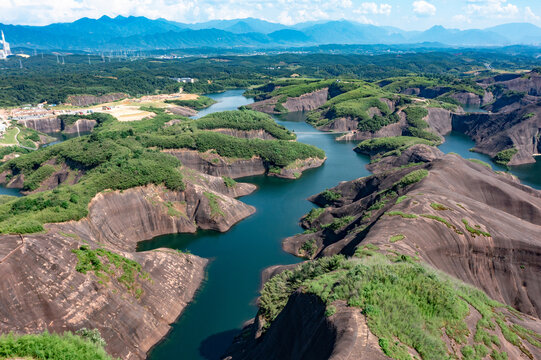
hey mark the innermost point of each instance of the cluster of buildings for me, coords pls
(5, 50)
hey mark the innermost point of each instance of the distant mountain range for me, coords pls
(141, 33)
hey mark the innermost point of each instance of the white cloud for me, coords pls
(423, 8)
(373, 8)
(529, 14)
(492, 8)
(461, 19)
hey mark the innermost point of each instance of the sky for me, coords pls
(404, 14)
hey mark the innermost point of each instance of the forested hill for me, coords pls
(141, 33)
(43, 79)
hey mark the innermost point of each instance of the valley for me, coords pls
(175, 231)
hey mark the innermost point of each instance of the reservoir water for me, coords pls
(227, 298)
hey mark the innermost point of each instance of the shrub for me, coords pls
(505, 156)
(229, 182)
(47, 346)
(413, 177)
(200, 103)
(331, 195)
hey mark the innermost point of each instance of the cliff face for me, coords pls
(517, 127)
(42, 289)
(503, 264)
(89, 100)
(246, 134)
(80, 126)
(216, 165)
(303, 331)
(45, 125)
(305, 102)
(55, 124)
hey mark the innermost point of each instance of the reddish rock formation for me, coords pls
(89, 100)
(41, 289)
(504, 264)
(305, 102)
(216, 165)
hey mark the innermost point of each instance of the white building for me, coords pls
(5, 50)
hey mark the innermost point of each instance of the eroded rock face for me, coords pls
(504, 263)
(80, 126)
(89, 100)
(305, 102)
(54, 124)
(46, 125)
(216, 165)
(42, 290)
(246, 134)
(516, 126)
(182, 111)
(303, 331)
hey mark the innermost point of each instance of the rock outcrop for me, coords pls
(466, 220)
(89, 100)
(213, 164)
(44, 289)
(305, 102)
(303, 331)
(51, 125)
(246, 134)
(513, 127)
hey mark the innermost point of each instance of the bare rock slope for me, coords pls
(87, 274)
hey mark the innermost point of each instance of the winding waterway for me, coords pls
(227, 298)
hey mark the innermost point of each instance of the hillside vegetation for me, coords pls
(407, 305)
(122, 155)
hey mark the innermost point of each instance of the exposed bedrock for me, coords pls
(498, 251)
(246, 134)
(303, 331)
(216, 165)
(182, 111)
(42, 290)
(89, 100)
(305, 102)
(54, 124)
(495, 132)
(439, 121)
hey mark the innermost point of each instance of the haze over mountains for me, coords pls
(141, 33)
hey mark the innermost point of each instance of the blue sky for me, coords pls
(405, 14)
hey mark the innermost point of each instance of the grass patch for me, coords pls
(331, 195)
(401, 214)
(504, 157)
(215, 209)
(396, 238)
(202, 102)
(474, 231)
(229, 182)
(413, 177)
(47, 346)
(438, 207)
(406, 303)
(339, 223)
(314, 214)
(481, 162)
(105, 264)
(309, 248)
(401, 199)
